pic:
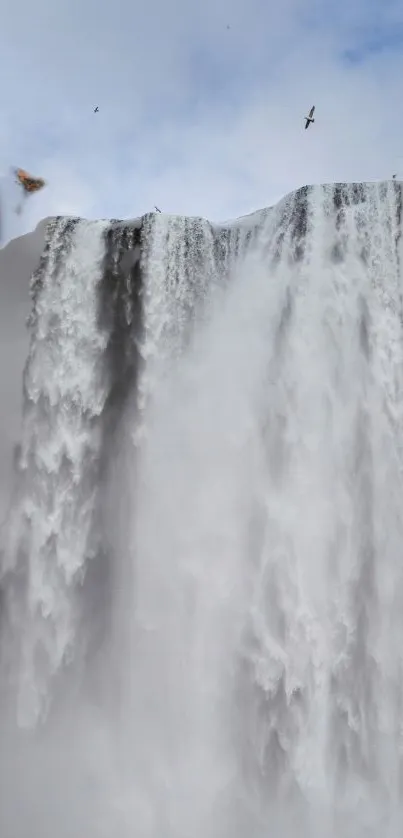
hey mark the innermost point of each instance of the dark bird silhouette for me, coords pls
(96, 109)
(309, 118)
(158, 210)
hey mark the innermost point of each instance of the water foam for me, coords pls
(261, 668)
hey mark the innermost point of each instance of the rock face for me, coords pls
(206, 521)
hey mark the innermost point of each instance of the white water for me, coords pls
(258, 592)
(65, 391)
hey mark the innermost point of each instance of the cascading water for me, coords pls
(202, 589)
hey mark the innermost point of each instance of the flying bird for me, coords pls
(158, 210)
(309, 118)
(96, 109)
(28, 184)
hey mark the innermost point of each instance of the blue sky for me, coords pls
(193, 116)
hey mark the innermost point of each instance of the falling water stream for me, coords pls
(202, 584)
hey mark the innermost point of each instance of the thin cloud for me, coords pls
(193, 116)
